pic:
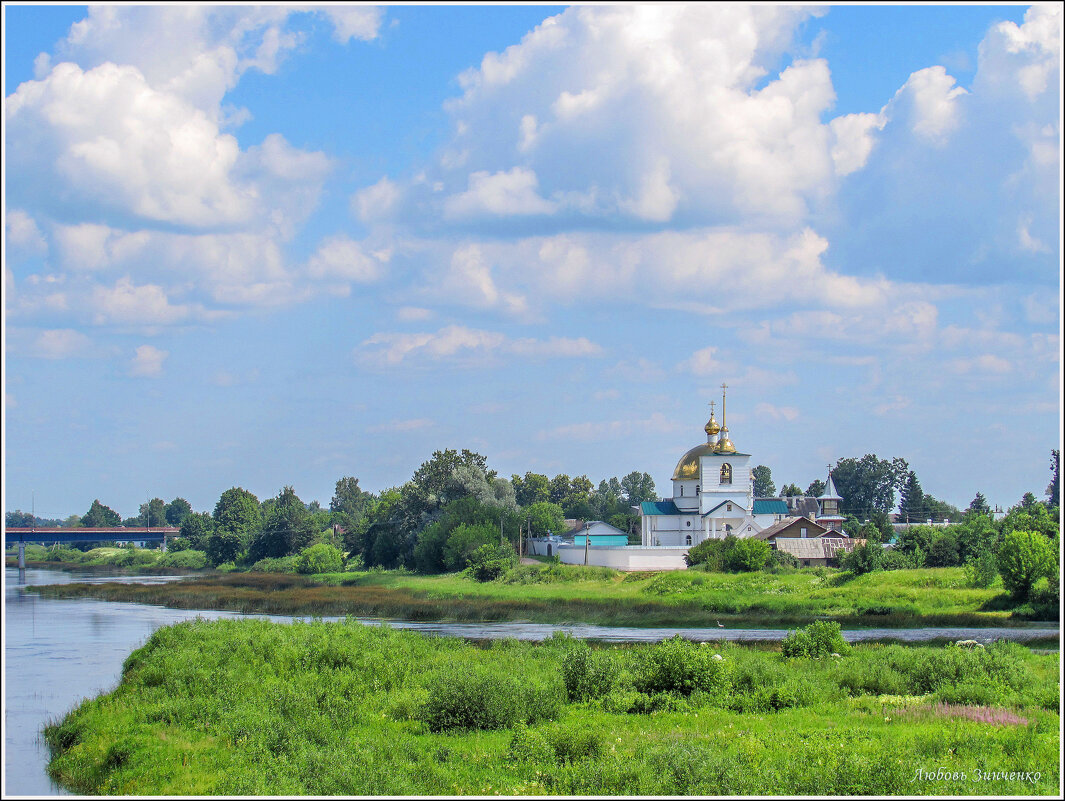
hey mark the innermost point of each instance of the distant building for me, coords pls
(713, 497)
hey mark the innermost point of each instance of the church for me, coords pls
(713, 496)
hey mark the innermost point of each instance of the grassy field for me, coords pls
(252, 708)
(562, 593)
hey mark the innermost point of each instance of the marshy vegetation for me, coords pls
(249, 707)
(555, 593)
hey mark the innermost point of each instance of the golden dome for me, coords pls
(688, 466)
(712, 427)
(724, 445)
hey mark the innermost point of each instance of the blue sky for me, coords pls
(269, 246)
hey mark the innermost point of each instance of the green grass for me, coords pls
(564, 593)
(255, 708)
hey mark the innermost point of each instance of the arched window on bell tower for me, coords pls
(726, 473)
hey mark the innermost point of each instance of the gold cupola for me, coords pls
(712, 428)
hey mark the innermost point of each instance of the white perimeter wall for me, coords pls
(630, 557)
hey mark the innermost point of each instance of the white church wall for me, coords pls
(631, 557)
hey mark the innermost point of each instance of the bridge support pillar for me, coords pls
(22, 556)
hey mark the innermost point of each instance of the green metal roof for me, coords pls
(770, 507)
(659, 508)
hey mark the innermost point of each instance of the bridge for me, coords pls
(103, 534)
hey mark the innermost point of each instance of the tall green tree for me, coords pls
(544, 519)
(197, 529)
(288, 529)
(560, 488)
(153, 513)
(432, 480)
(868, 484)
(912, 503)
(979, 505)
(790, 490)
(763, 482)
(533, 488)
(1023, 558)
(815, 490)
(177, 510)
(237, 521)
(100, 516)
(349, 498)
(638, 487)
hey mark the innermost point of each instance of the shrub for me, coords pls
(60, 554)
(678, 666)
(286, 564)
(475, 698)
(320, 558)
(188, 559)
(863, 559)
(747, 555)
(588, 674)
(491, 561)
(781, 561)
(944, 551)
(895, 559)
(819, 639)
(571, 743)
(1023, 558)
(981, 571)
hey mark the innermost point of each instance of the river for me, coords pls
(60, 652)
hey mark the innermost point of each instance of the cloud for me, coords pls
(61, 343)
(789, 413)
(22, 233)
(502, 194)
(126, 303)
(148, 362)
(928, 102)
(466, 345)
(343, 258)
(354, 22)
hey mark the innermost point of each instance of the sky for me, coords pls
(269, 246)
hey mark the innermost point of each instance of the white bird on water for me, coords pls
(719, 625)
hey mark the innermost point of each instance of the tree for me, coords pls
(18, 519)
(464, 540)
(469, 481)
(349, 498)
(638, 487)
(153, 513)
(237, 521)
(944, 551)
(939, 510)
(815, 490)
(197, 529)
(432, 480)
(544, 519)
(863, 559)
(1023, 558)
(868, 484)
(177, 510)
(1054, 487)
(912, 504)
(560, 488)
(790, 490)
(979, 506)
(763, 482)
(287, 530)
(534, 488)
(100, 516)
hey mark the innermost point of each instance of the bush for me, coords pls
(320, 558)
(747, 555)
(188, 559)
(944, 551)
(863, 559)
(894, 559)
(781, 561)
(470, 698)
(491, 561)
(821, 638)
(1023, 558)
(588, 674)
(981, 571)
(678, 666)
(286, 564)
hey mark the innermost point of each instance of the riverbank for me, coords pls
(253, 708)
(934, 597)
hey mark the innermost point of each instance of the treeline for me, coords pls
(452, 507)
